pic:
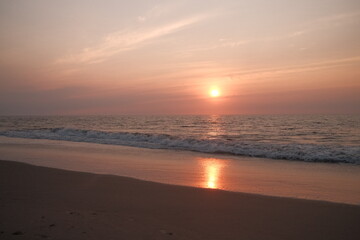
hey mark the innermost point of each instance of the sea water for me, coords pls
(311, 138)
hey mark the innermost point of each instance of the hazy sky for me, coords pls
(163, 57)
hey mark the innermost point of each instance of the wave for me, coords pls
(291, 151)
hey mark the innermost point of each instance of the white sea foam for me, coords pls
(291, 151)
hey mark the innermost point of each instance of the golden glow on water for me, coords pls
(212, 176)
(215, 123)
(211, 168)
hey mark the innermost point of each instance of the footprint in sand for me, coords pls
(166, 232)
(18, 233)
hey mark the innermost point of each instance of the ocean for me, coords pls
(310, 138)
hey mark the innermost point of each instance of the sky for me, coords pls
(67, 57)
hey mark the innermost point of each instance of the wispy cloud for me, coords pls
(314, 66)
(207, 70)
(306, 28)
(121, 41)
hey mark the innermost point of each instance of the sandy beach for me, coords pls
(46, 203)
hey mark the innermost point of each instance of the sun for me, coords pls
(214, 93)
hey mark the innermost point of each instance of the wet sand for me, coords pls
(45, 203)
(283, 178)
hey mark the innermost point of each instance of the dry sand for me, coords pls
(44, 203)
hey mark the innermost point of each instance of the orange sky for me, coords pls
(164, 57)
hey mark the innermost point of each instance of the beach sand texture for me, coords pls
(45, 203)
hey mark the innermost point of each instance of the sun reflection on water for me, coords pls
(211, 168)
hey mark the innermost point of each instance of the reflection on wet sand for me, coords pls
(211, 171)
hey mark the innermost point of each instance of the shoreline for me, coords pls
(40, 202)
(302, 180)
(180, 186)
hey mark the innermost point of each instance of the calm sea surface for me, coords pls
(316, 138)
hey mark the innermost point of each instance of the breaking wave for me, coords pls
(291, 151)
